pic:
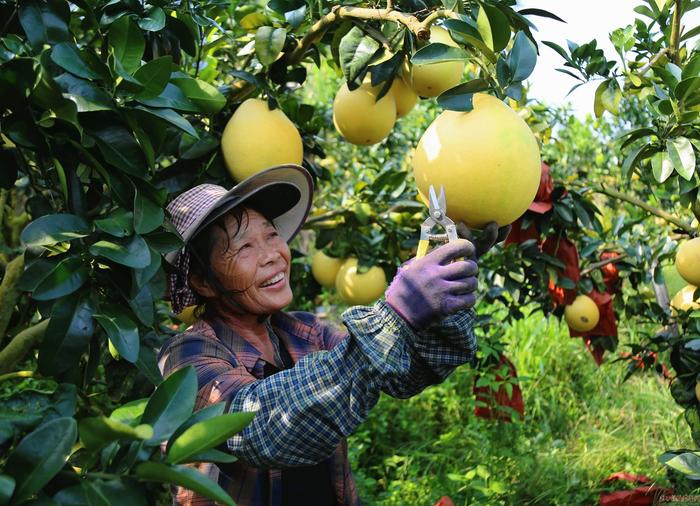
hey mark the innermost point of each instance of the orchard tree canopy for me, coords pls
(109, 109)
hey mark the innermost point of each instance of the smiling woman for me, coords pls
(309, 383)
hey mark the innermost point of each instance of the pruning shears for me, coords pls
(438, 217)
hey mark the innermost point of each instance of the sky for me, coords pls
(585, 20)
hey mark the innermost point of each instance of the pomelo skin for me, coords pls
(683, 300)
(324, 268)
(404, 96)
(688, 261)
(432, 79)
(257, 138)
(359, 117)
(582, 315)
(487, 159)
(360, 289)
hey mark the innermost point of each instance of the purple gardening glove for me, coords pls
(426, 290)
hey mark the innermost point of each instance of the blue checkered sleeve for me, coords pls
(304, 412)
(435, 353)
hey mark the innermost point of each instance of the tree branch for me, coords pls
(676, 32)
(653, 61)
(601, 188)
(9, 292)
(20, 345)
(603, 263)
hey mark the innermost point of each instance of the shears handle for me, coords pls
(422, 248)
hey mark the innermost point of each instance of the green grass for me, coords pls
(582, 423)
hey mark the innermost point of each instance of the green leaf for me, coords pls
(43, 22)
(172, 98)
(185, 477)
(200, 415)
(522, 58)
(611, 97)
(206, 435)
(134, 253)
(214, 456)
(67, 56)
(86, 96)
(465, 33)
(130, 413)
(154, 76)
(436, 53)
(127, 42)
(205, 96)
(122, 333)
(118, 492)
(7, 487)
(682, 155)
(54, 228)
(118, 224)
(142, 305)
(356, 51)
(153, 21)
(169, 116)
(67, 335)
(460, 98)
(147, 364)
(40, 455)
(686, 88)
(171, 403)
(631, 160)
(148, 215)
(269, 42)
(661, 166)
(687, 463)
(121, 150)
(97, 432)
(493, 27)
(65, 277)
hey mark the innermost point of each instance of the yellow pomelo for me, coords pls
(325, 268)
(432, 79)
(683, 300)
(404, 96)
(688, 261)
(357, 288)
(257, 138)
(187, 315)
(487, 159)
(359, 117)
(582, 315)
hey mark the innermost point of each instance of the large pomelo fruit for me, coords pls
(487, 159)
(688, 261)
(257, 138)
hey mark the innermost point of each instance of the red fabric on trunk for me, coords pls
(493, 399)
(543, 198)
(444, 501)
(564, 250)
(640, 496)
(519, 235)
(611, 274)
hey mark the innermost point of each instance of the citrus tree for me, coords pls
(111, 108)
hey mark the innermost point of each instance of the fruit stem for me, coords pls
(601, 188)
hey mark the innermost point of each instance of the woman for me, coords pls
(311, 384)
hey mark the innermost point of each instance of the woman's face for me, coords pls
(249, 260)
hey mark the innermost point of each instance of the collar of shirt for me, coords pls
(298, 337)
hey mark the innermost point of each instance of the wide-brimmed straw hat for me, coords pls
(281, 193)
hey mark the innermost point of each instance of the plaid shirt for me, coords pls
(304, 413)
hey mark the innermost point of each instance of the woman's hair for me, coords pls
(201, 247)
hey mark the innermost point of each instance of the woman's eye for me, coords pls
(272, 234)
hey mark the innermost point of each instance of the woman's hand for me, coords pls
(427, 289)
